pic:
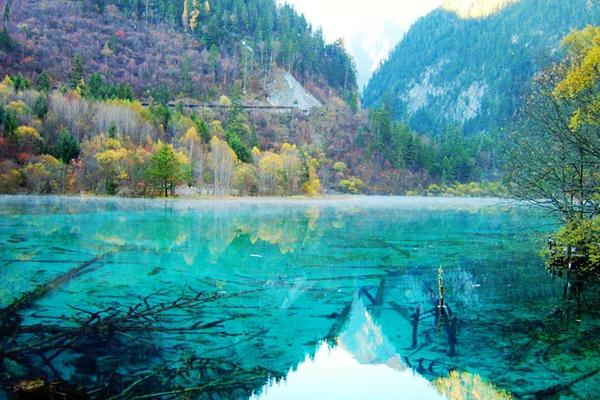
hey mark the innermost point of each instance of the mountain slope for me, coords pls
(187, 48)
(454, 69)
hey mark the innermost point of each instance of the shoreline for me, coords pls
(321, 197)
(368, 201)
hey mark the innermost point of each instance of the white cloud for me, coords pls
(343, 18)
(370, 27)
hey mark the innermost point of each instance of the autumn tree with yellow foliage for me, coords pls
(579, 87)
(554, 156)
(111, 165)
(462, 385)
(195, 152)
(271, 172)
(223, 161)
(115, 146)
(192, 9)
(554, 159)
(46, 175)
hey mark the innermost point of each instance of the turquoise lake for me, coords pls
(286, 299)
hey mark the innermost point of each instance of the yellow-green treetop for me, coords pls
(583, 52)
(581, 80)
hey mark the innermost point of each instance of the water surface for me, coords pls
(286, 299)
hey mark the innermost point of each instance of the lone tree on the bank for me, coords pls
(554, 155)
(166, 169)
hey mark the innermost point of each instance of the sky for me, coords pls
(370, 28)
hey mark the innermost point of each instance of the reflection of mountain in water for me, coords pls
(281, 279)
(363, 364)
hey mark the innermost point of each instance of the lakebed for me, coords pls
(287, 298)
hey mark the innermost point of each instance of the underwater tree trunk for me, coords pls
(26, 300)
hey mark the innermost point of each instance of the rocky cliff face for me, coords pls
(286, 91)
(468, 63)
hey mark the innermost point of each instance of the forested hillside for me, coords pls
(93, 93)
(457, 66)
(188, 47)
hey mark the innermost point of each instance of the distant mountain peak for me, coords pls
(470, 71)
(475, 8)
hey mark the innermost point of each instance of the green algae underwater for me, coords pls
(350, 298)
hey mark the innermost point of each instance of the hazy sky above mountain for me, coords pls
(370, 29)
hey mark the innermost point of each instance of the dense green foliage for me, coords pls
(68, 148)
(8, 120)
(449, 157)
(7, 44)
(238, 132)
(98, 89)
(473, 72)
(575, 247)
(164, 169)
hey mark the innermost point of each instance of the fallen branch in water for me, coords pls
(40, 388)
(225, 378)
(143, 317)
(26, 300)
(134, 384)
(114, 334)
(559, 388)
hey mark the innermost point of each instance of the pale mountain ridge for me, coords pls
(476, 8)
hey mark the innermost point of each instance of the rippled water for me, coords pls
(286, 299)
